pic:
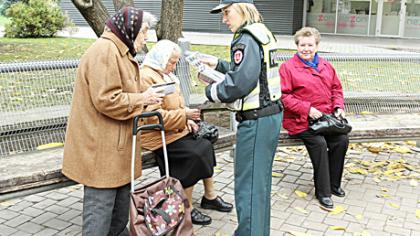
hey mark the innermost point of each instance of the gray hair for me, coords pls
(149, 19)
(307, 32)
(158, 57)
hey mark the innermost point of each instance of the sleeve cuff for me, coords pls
(135, 101)
(213, 92)
(208, 95)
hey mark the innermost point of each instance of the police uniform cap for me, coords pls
(226, 3)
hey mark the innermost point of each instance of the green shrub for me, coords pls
(34, 18)
(4, 5)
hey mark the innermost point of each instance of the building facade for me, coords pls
(378, 18)
(390, 18)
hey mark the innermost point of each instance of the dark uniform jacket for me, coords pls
(242, 72)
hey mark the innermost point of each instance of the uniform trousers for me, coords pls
(105, 211)
(256, 143)
(327, 155)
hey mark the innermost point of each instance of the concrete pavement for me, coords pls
(329, 43)
(373, 206)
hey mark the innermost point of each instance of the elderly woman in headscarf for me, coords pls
(98, 138)
(190, 159)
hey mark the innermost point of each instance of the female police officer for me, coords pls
(252, 77)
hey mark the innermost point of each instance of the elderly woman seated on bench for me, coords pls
(310, 87)
(190, 159)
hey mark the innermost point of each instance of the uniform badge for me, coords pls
(238, 55)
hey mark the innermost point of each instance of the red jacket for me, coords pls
(303, 87)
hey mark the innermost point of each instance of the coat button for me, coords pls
(130, 108)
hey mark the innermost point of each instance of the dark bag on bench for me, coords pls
(329, 125)
(206, 131)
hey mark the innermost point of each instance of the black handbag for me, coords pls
(328, 124)
(206, 131)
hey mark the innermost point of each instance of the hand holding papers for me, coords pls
(206, 74)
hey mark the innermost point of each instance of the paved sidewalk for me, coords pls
(372, 205)
(329, 43)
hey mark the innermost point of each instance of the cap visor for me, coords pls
(219, 8)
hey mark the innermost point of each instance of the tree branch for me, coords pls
(84, 4)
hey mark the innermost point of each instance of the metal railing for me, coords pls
(35, 97)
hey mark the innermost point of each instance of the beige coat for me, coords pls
(97, 150)
(172, 109)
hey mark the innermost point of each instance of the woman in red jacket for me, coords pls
(310, 87)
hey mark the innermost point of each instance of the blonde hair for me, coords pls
(249, 13)
(307, 32)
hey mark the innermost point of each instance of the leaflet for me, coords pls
(206, 73)
(165, 88)
(209, 75)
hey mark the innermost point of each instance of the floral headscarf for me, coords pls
(126, 24)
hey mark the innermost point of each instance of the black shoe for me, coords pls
(326, 202)
(216, 204)
(198, 218)
(339, 192)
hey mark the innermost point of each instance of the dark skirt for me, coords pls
(190, 160)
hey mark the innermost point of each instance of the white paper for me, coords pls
(210, 75)
(206, 73)
(165, 88)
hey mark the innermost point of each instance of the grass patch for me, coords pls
(13, 49)
(25, 90)
(3, 20)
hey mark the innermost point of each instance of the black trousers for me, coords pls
(327, 155)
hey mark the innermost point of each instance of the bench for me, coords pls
(372, 114)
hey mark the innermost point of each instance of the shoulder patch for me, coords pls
(238, 53)
(238, 56)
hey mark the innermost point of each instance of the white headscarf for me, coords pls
(158, 57)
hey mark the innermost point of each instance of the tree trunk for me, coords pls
(118, 4)
(94, 12)
(170, 24)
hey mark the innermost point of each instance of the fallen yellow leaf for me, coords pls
(337, 210)
(411, 142)
(418, 213)
(384, 189)
(402, 150)
(359, 217)
(358, 171)
(275, 174)
(363, 233)
(301, 194)
(217, 169)
(366, 113)
(383, 195)
(338, 228)
(295, 233)
(277, 158)
(394, 205)
(7, 203)
(49, 145)
(301, 210)
(217, 233)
